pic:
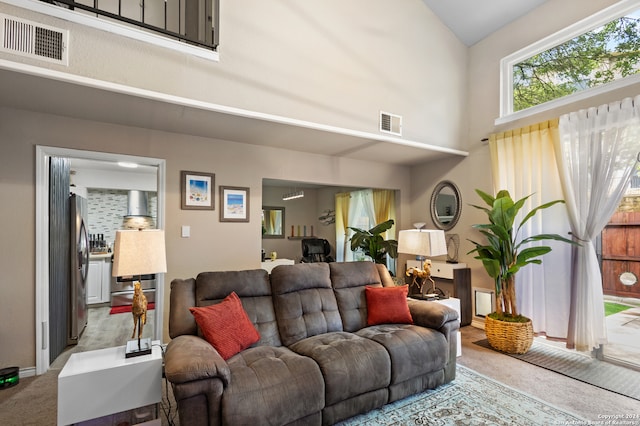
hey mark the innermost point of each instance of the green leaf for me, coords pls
(373, 244)
(381, 227)
(486, 197)
(537, 209)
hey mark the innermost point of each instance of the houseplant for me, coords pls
(373, 243)
(502, 257)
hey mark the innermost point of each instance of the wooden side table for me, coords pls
(98, 383)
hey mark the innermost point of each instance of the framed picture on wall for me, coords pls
(234, 204)
(197, 191)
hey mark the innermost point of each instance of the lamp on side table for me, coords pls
(137, 253)
(422, 243)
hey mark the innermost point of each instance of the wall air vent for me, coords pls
(34, 40)
(390, 123)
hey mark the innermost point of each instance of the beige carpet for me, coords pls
(564, 392)
(581, 367)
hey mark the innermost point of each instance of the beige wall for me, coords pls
(300, 211)
(483, 104)
(213, 245)
(323, 61)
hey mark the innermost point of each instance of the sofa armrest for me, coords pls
(431, 314)
(190, 358)
(442, 318)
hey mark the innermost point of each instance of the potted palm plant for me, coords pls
(502, 257)
(373, 244)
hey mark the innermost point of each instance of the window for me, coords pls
(594, 53)
(363, 209)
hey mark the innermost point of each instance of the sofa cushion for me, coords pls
(182, 297)
(387, 305)
(351, 365)
(413, 350)
(254, 290)
(226, 326)
(349, 280)
(304, 302)
(271, 386)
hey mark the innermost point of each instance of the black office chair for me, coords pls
(316, 250)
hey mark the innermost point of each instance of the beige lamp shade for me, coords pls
(138, 252)
(422, 242)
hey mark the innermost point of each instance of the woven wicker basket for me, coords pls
(509, 337)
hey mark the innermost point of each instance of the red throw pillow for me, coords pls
(387, 305)
(226, 326)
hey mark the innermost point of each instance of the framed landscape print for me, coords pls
(197, 191)
(234, 204)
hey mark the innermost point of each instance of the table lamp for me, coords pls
(422, 243)
(136, 253)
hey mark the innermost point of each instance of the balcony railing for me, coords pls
(194, 22)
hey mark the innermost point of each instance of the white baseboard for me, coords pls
(27, 372)
(477, 322)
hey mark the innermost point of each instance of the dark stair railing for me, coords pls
(187, 25)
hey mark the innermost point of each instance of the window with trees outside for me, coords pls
(596, 51)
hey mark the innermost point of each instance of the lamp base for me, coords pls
(135, 348)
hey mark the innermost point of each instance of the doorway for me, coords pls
(43, 156)
(620, 261)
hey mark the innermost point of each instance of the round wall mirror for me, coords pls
(445, 205)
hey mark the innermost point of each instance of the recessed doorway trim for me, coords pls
(43, 154)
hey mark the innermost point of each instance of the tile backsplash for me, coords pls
(107, 208)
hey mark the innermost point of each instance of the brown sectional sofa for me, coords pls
(317, 362)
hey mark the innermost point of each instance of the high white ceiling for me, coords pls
(473, 20)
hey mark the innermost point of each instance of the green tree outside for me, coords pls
(600, 56)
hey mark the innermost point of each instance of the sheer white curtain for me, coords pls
(361, 215)
(597, 153)
(523, 162)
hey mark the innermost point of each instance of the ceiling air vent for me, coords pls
(390, 123)
(34, 40)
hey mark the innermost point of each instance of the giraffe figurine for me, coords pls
(138, 309)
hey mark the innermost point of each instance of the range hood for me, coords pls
(137, 204)
(138, 216)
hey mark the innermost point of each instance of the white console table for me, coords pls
(268, 264)
(98, 383)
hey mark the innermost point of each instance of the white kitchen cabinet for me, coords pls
(94, 282)
(99, 279)
(106, 280)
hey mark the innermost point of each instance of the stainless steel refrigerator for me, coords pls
(79, 268)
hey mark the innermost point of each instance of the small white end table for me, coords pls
(98, 383)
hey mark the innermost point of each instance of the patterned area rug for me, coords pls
(471, 399)
(581, 367)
